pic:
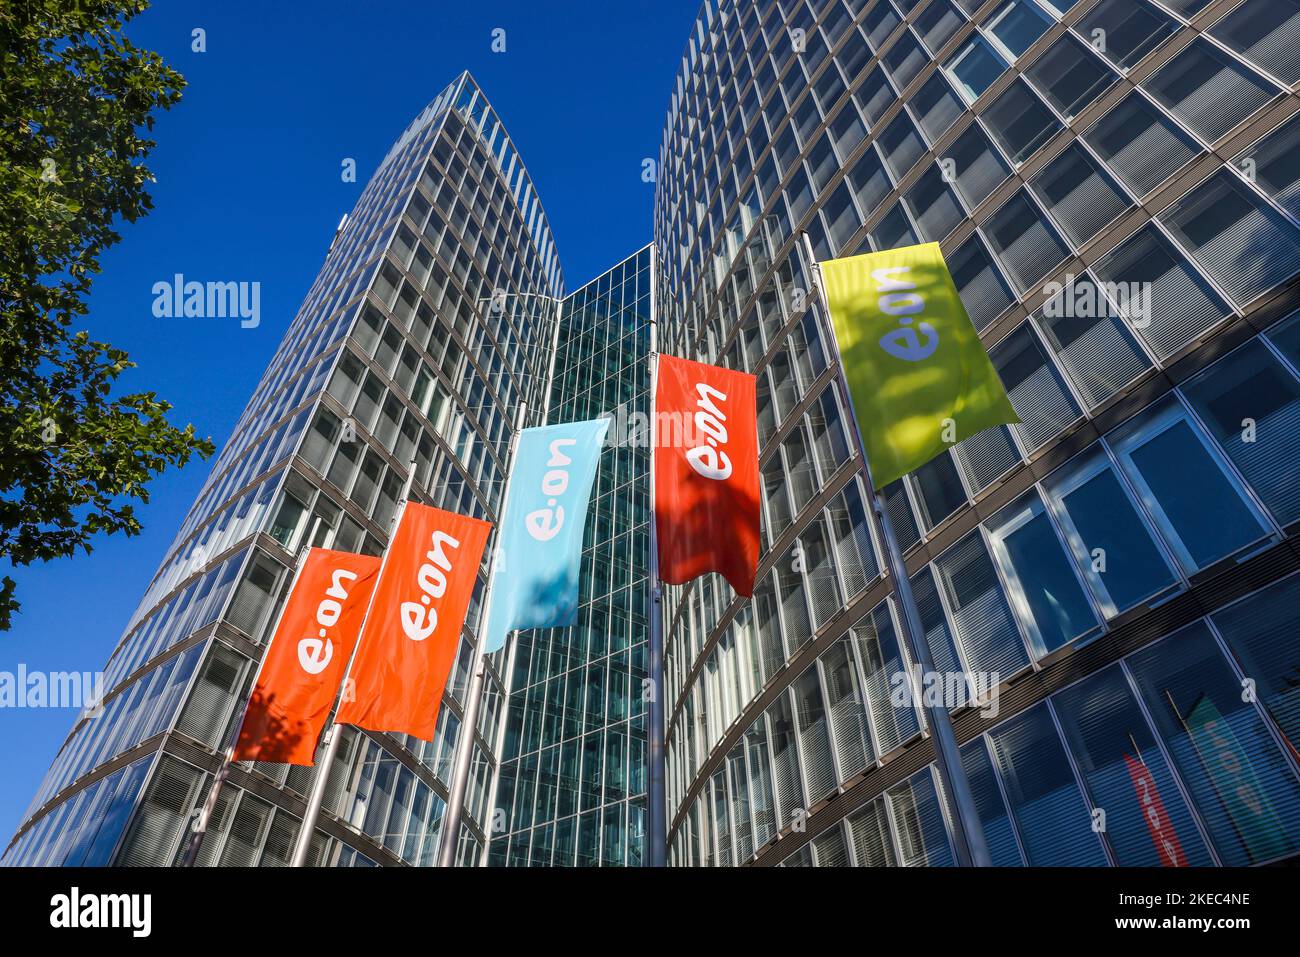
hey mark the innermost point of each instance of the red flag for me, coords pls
(307, 657)
(1153, 812)
(414, 624)
(706, 473)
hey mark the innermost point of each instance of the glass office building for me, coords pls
(1116, 190)
(432, 318)
(572, 785)
(1114, 185)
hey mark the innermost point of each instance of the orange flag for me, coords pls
(706, 473)
(307, 657)
(414, 624)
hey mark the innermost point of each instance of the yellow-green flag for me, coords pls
(917, 371)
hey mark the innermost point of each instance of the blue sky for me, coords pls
(249, 189)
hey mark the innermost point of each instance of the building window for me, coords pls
(1140, 145)
(883, 664)
(1125, 773)
(1020, 122)
(1169, 302)
(988, 634)
(1111, 543)
(1246, 245)
(1070, 76)
(1250, 402)
(1037, 390)
(976, 167)
(1041, 579)
(1079, 193)
(975, 67)
(1264, 31)
(1092, 343)
(980, 285)
(1200, 510)
(1130, 29)
(1016, 26)
(1244, 787)
(1052, 818)
(1208, 90)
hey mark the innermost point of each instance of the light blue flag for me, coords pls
(540, 540)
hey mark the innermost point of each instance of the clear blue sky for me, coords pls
(249, 189)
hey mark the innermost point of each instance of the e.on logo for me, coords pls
(419, 621)
(314, 654)
(897, 297)
(543, 524)
(709, 460)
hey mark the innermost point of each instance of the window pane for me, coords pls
(1024, 242)
(1131, 28)
(1247, 793)
(975, 67)
(980, 285)
(980, 613)
(1276, 160)
(1020, 122)
(1140, 145)
(992, 810)
(1045, 589)
(1093, 344)
(1036, 389)
(1110, 542)
(1264, 32)
(1247, 246)
(1053, 819)
(1079, 194)
(1177, 301)
(1251, 404)
(1183, 487)
(1147, 820)
(1070, 76)
(976, 168)
(1208, 91)
(1018, 25)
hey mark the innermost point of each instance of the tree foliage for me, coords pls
(76, 104)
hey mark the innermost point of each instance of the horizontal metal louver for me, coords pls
(1182, 303)
(980, 612)
(1035, 387)
(1208, 91)
(1081, 197)
(1267, 33)
(1026, 245)
(1242, 242)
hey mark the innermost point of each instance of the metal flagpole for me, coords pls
(334, 734)
(460, 770)
(968, 832)
(199, 827)
(656, 798)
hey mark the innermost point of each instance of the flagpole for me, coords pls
(459, 783)
(334, 734)
(656, 797)
(968, 832)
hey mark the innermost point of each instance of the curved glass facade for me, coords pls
(431, 319)
(1113, 186)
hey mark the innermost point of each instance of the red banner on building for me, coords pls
(307, 657)
(1153, 812)
(706, 473)
(414, 625)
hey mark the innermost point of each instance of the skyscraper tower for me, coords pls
(432, 318)
(1113, 185)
